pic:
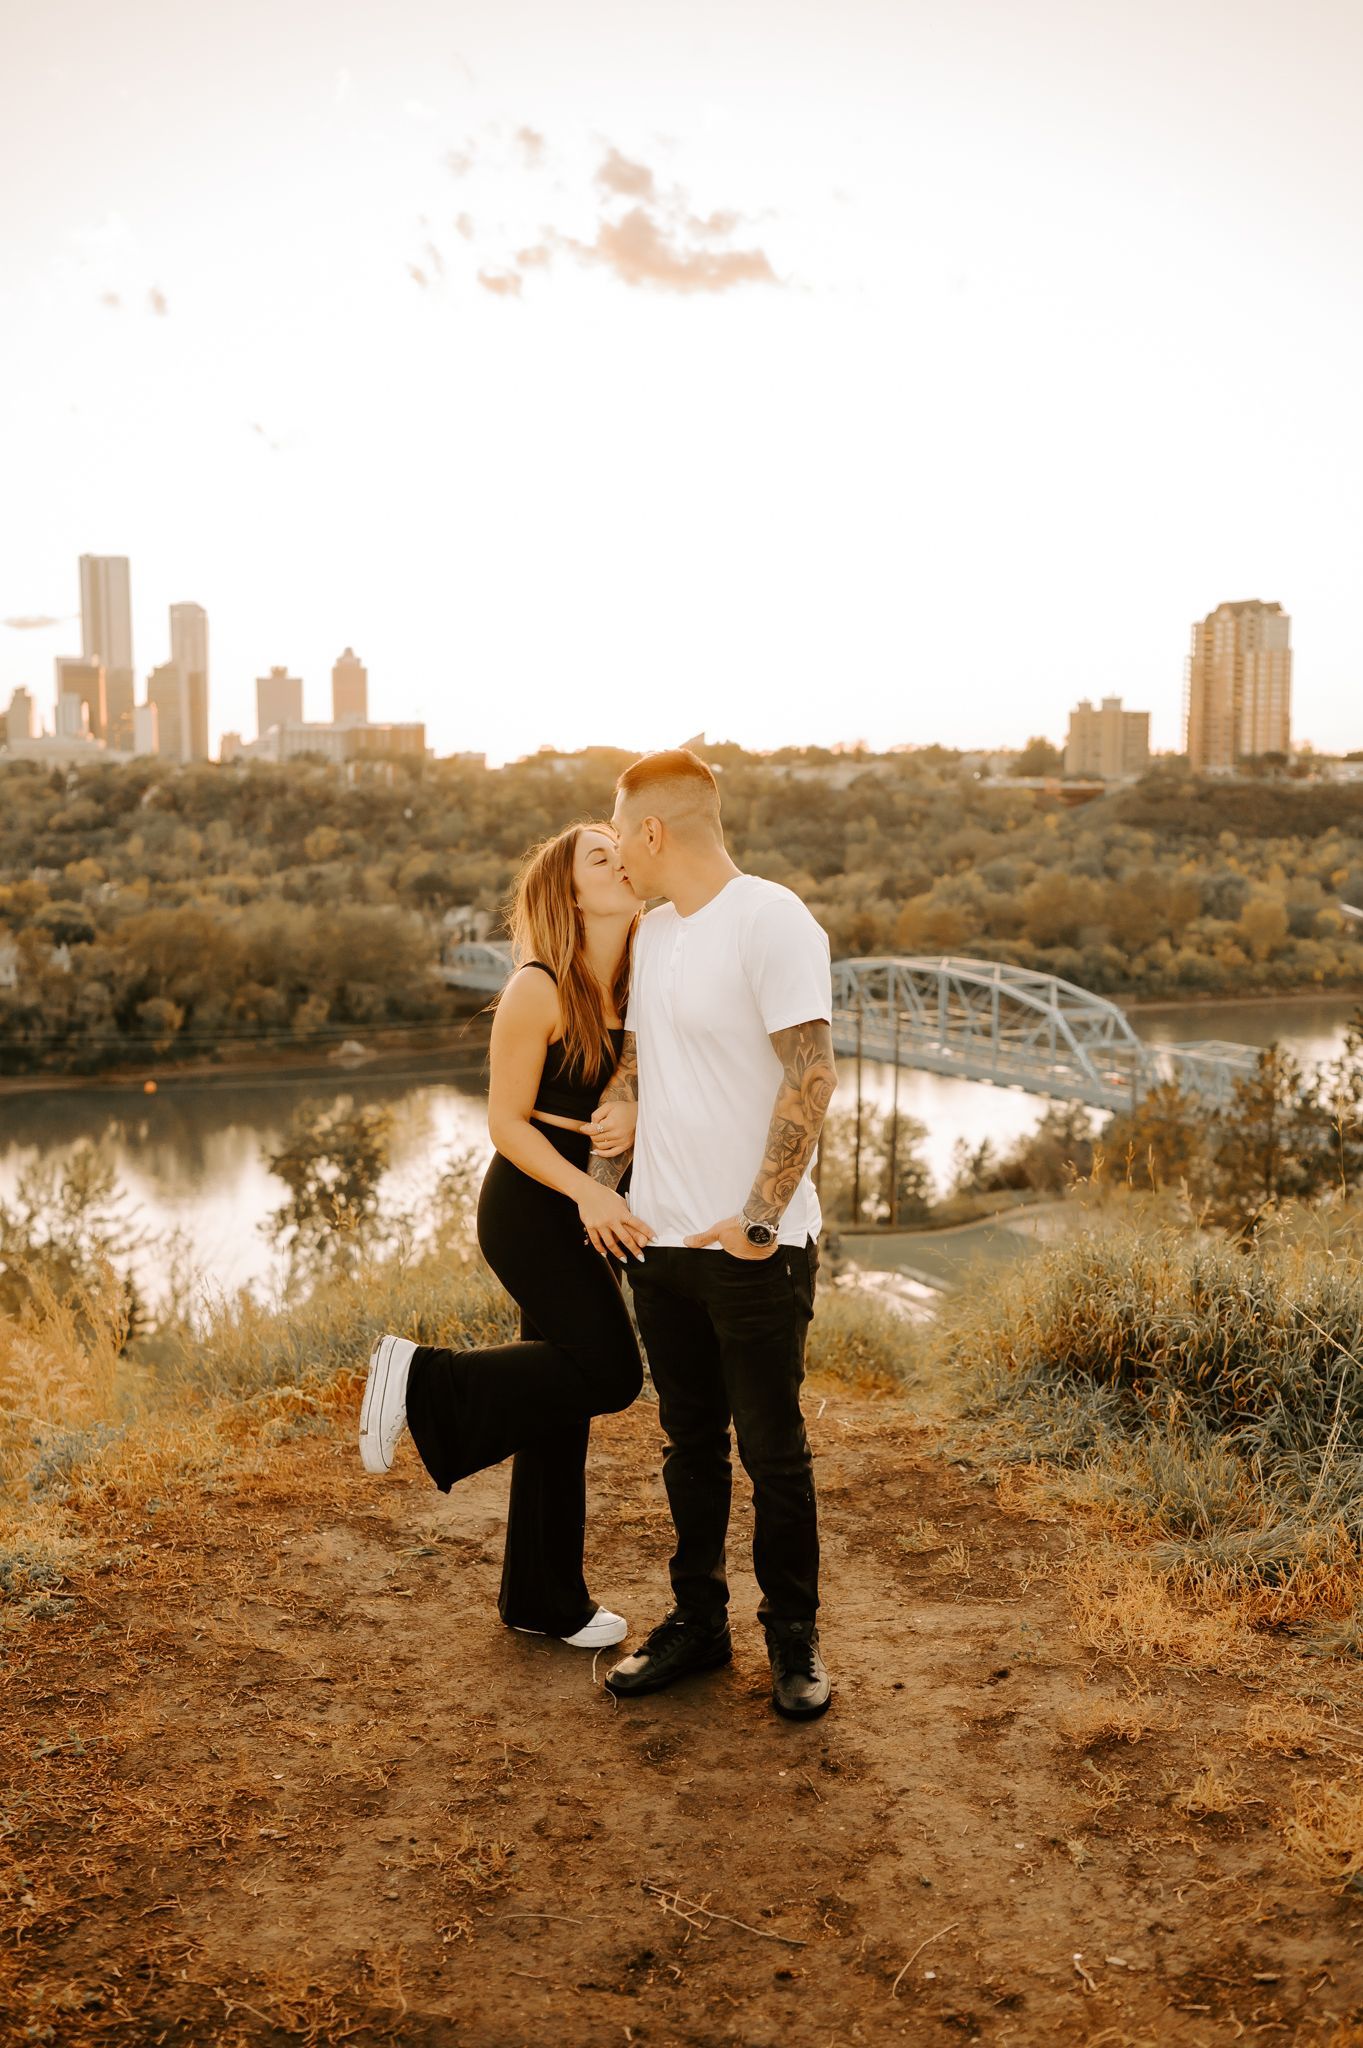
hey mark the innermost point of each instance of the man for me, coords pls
(728, 1051)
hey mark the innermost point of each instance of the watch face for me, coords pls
(759, 1233)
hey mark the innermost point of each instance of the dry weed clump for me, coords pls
(1325, 1833)
(1282, 1728)
(1103, 1723)
(1213, 1794)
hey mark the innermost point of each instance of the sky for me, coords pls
(791, 370)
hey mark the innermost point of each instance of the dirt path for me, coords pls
(286, 1778)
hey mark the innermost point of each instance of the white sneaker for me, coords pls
(599, 1633)
(383, 1412)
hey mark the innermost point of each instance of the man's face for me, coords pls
(633, 851)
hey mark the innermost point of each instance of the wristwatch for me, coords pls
(759, 1235)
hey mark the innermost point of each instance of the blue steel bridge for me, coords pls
(979, 1020)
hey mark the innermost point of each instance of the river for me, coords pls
(191, 1158)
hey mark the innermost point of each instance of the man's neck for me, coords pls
(701, 883)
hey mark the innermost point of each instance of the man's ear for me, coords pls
(653, 833)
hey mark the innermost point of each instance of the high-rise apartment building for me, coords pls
(1239, 686)
(19, 717)
(144, 729)
(1108, 742)
(77, 677)
(106, 636)
(73, 717)
(349, 689)
(166, 691)
(189, 654)
(279, 700)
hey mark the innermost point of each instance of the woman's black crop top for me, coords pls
(561, 1093)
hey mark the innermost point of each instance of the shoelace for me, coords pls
(796, 1655)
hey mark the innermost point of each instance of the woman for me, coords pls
(556, 1039)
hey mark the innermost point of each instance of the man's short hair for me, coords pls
(676, 785)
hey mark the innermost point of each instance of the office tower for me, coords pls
(166, 691)
(106, 633)
(73, 716)
(145, 722)
(84, 679)
(349, 689)
(1238, 697)
(19, 717)
(118, 708)
(189, 653)
(279, 700)
(1108, 742)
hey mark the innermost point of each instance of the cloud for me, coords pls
(640, 250)
(628, 180)
(639, 225)
(32, 622)
(156, 301)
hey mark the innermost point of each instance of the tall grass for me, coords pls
(1209, 1394)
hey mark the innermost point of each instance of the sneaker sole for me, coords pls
(802, 1713)
(647, 1685)
(375, 1388)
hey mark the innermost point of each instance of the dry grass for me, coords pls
(1324, 1835)
(1214, 1793)
(1282, 1728)
(1104, 1723)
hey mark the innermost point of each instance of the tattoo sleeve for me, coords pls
(623, 1086)
(808, 1077)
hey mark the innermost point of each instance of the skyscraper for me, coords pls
(165, 689)
(106, 636)
(349, 689)
(78, 677)
(189, 654)
(19, 717)
(279, 700)
(1239, 686)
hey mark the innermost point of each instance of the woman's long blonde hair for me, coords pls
(546, 924)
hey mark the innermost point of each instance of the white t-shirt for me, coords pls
(705, 995)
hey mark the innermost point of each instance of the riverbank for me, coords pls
(461, 1049)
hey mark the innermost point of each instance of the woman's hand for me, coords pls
(611, 1128)
(610, 1223)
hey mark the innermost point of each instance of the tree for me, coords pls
(1038, 757)
(332, 1161)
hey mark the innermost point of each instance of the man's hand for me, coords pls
(729, 1236)
(611, 1128)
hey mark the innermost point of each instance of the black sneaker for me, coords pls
(675, 1649)
(800, 1685)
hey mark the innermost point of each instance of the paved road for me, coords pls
(944, 1258)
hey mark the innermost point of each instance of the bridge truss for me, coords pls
(981, 1020)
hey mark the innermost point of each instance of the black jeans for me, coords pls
(533, 1401)
(725, 1339)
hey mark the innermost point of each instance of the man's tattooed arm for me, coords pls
(808, 1077)
(623, 1086)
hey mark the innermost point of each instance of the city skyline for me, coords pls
(880, 373)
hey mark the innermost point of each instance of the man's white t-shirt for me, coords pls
(706, 993)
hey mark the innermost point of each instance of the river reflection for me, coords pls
(191, 1157)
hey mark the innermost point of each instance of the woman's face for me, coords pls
(598, 883)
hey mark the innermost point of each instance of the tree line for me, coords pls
(145, 907)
